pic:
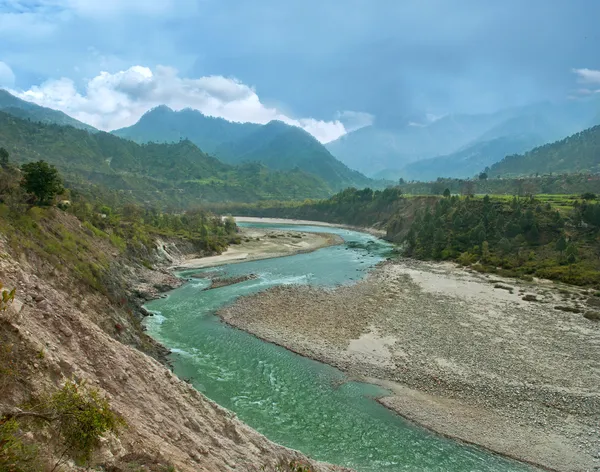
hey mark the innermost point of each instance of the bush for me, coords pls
(15, 455)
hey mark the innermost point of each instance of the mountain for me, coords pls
(161, 124)
(276, 145)
(283, 147)
(373, 149)
(30, 111)
(467, 162)
(178, 174)
(577, 153)
(378, 150)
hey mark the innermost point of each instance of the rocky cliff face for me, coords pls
(57, 329)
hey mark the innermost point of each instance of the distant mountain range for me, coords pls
(30, 111)
(460, 145)
(577, 153)
(276, 145)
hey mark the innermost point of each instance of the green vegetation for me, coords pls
(103, 226)
(577, 153)
(6, 297)
(75, 417)
(276, 145)
(30, 111)
(42, 181)
(80, 417)
(552, 237)
(283, 147)
(558, 184)
(166, 175)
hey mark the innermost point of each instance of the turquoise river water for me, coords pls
(292, 400)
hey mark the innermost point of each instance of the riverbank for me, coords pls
(486, 360)
(259, 243)
(288, 221)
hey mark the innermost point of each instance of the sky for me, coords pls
(329, 66)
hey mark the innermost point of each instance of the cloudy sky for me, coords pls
(329, 66)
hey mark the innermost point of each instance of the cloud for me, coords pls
(116, 100)
(588, 76)
(7, 77)
(590, 79)
(353, 120)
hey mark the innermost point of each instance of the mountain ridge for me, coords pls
(28, 110)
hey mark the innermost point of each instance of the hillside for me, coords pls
(469, 161)
(177, 174)
(276, 145)
(161, 124)
(388, 148)
(30, 111)
(577, 153)
(72, 345)
(283, 147)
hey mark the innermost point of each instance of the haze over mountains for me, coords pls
(195, 147)
(460, 145)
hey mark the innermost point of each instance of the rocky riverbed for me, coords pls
(487, 360)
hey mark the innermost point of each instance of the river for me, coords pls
(294, 401)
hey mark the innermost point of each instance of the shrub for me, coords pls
(6, 297)
(77, 417)
(15, 455)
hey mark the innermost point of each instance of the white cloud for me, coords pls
(116, 100)
(588, 76)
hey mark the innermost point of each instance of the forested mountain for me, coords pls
(177, 174)
(283, 147)
(30, 111)
(470, 161)
(276, 145)
(577, 153)
(163, 125)
(377, 148)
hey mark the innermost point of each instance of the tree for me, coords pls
(447, 193)
(3, 158)
(42, 180)
(483, 176)
(571, 253)
(561, 245)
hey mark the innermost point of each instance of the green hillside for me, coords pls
(276, 144)
(577, 153)
(283, 147)
(30, 111)
(469, 161)
(163, 125)
(177, 174)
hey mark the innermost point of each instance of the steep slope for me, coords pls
(162, 124)
(177, 174)
(577, 153)
(30, 111)
(282, 147)
(59, 328)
